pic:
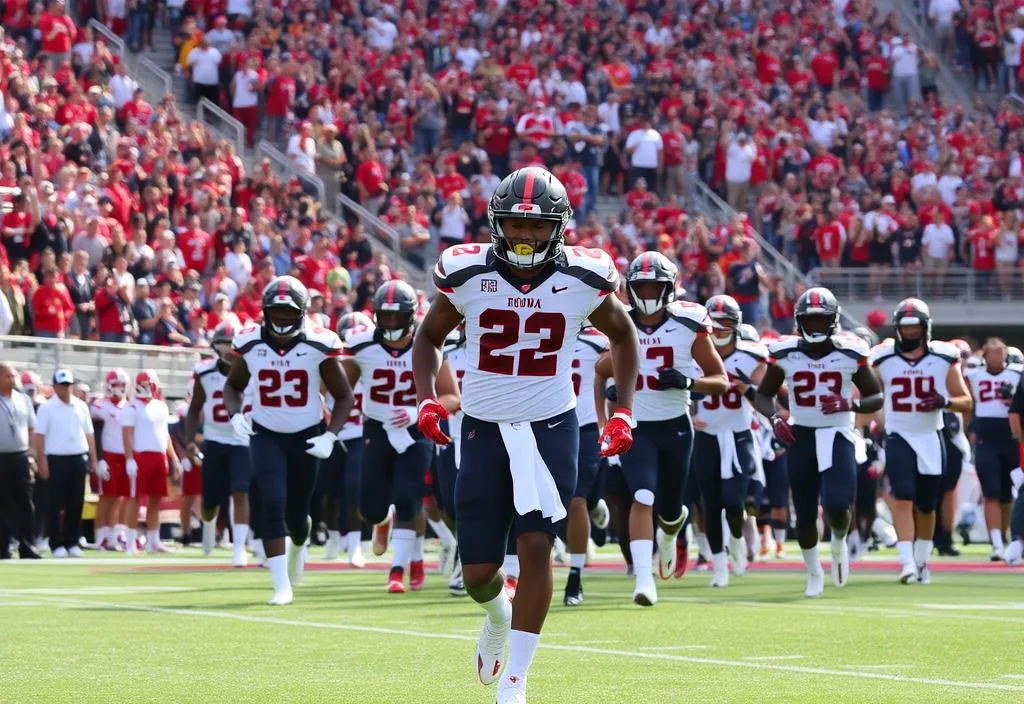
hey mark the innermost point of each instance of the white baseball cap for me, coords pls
(63, 376)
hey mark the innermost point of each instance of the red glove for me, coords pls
(431, 413)
(834, 404)
(617, 437)
(932, 402)
(783, 431)
(875, 470)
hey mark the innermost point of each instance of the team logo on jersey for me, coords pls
(489, 286)
(525, 208)
(261, 352)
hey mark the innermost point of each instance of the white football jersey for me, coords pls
(216, 422)
(109, 412)
(731, 411)
(670, 344)
(150, 419)
(353, 427)
(520, 333)
(386, 373)
(985, 390)
(286, 395)
(457, 360)
(809, 380)
(907, 382)
(590, 344)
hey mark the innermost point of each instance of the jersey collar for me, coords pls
(530, 284)
(281, 348)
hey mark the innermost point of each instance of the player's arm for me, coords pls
(715, 381)
(768, 389)
(960, 399)
(192, 418)
(234, 387)
(172, 460)
(351, 369)
(1016, 414)
(128, 436)
(336, 381)
(623, 355)
(441, 319)
(603, 371)
(870, 388)
(448, 388)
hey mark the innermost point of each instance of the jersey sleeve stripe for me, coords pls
(593, 279)
(449, 283)
(696, 327)
(244, 349)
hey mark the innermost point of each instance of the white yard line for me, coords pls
(1014, 677)
(1008, 606)
(637, 654)
(80, 591)
(770, 658)
(662, 648)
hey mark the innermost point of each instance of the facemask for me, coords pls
(393, 335)
(909, 345)
(648, 306)
(814, 338)
(722, 341)
(524, 256)
(286, 330)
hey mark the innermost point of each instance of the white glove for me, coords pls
(322, 445)
(403, 417)
(241, 425)
(1017, 477)
(132, 468)
(614, 461)
(103, 471)
(186, 464)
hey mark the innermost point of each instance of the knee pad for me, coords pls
(644, 496)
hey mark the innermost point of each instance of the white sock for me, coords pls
(719, 561)
(905, 548)
(499, 609)
(417, 549)
(642, 551)
(352, 538)
(120, 529)
(335, 537)
(240, 531)
(750, 533)
(812, 559)
(922, 551)
(577, 561)
(837, 543)
(278, 566)
(442, 531)
(521, 647)
(780, 535)
(101, 534)
(997, 539)
(130, 536)
(511, 566)
(703, 547)
(402, 540)
(152, 537)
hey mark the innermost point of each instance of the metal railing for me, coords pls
(90, 360)
(220, 123)
(346, 208)
(286, 168)
(957, 285)
(113, 41)
(151, 74)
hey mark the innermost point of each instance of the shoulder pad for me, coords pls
(848, 342)
(204, 366)
(593, 267)
(881, 352)
(783, 347)
(358, 339)
(460, 263)
(754, 349)
(692, 315)
(246, 338)
(946, 350)
(322, 339)
(593, 338)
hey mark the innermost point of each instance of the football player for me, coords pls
(920, 378)
(724, 445)
(226, 464)
(114, 486)
(958, 453)
(289, 357)
(148, 457)
(340, 472)
(675, 357)
(995, 451)
(820, 366)
(524, 299)
(395, 454)
(447, 465)
(591, 343)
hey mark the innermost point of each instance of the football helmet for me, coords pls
(651, 266)
(725, 314)
(1014, 356)
(912, 311)
(285, 302)
(866, 334)
(749, 333)
(355, 319)
(115, 383)
(395, 297)
(816, 302)
(222, 338)
(531, 193)
(147, 384)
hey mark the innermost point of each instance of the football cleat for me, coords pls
(356, 559)
(780, 551)
(908, 574)
(573, 590)
(720, 579)
(382, 534)
(600, 514)
(703, 565)
(815, 585)
(738, 553)
(456, 587)
(446, 559)
(239, 557)
(395, 584)
(682, 557)
(666, 555)
(1013, 552)
(296, 563)
(74, 551)
(281, 597)
(840, 564)
(947, 551)
(645, 595)
(995, 556)
(332, 548)
(924, 575)
(559, 551)
(156, 547)
(512, 690)
(417, 575)
(511, 584)
(490, 650)
(60, 553)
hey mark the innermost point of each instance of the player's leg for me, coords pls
(1016, 547)
(946, 513)
(300, 484)
(352, 518)
(330, 486)
(484, 505)
(256, 517)
(709, 476)
(926, 500)
(640, 469)
(838, 491)
(675, 450)
(901, 470)
(408, 488)
(270, 461)
(619, 502)
(578, 526)
(375, 478)
(191, 499)
(559, 448)
(734, 498)
(865, 505)
(239, 484)
(776, 475)
(804, 483)
(988, 466)
(1009, 459)
(153, 473)
(441, 517)
(216, 486)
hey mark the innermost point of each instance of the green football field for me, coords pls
(177, 629)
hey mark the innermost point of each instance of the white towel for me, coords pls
(400, 439)
(533, 487)
(455, 433)
(759, 459)
(928, 448)
(961, 443)
(825, 440)
(728, 458)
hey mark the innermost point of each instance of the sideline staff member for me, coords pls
(67, 450)
(17, 419)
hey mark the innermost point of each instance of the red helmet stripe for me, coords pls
(645, 263)
(391, 291)
(528, 187)
(909, 308)
(815, 299)
(282, 287)
(720, 306)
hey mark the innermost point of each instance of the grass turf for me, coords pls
(173, 630)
